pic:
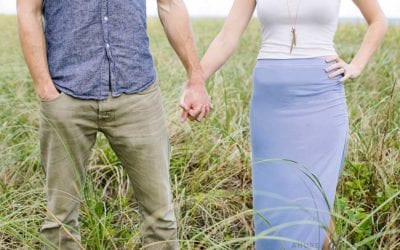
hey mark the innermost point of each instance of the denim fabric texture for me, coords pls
(98, 46)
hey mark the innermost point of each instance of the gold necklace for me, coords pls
(293, 31)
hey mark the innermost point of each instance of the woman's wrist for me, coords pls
(358, 65)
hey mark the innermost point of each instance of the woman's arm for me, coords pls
(227, 40)
(377, 27)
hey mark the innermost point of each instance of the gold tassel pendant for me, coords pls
(294, 39)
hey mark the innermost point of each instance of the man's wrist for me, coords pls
(196, 81)
(196, 78)
(44, 82)
(44, 86)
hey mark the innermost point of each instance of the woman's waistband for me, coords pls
(314, 61)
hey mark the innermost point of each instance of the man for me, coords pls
(93, 72)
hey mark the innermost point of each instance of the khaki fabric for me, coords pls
(136, 130)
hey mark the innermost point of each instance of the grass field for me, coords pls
(210, 165)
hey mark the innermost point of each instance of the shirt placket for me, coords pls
(107, 83)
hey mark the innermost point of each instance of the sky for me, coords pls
(220, 8)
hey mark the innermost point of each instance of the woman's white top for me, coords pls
(315, 29)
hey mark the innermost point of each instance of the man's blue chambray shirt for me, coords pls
(98, 46)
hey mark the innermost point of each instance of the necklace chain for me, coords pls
(294, 24)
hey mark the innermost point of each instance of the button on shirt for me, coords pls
(98, 46)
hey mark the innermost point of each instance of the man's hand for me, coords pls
(47, 91)
(195, 102)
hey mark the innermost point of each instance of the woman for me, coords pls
(298, 117)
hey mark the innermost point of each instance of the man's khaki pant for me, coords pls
(136, 130)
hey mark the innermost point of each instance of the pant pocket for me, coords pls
(52, 100)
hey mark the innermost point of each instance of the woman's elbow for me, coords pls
(382, 22)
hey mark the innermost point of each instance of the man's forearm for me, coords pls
(33, 44)
(175, 20)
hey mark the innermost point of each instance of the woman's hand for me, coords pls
(349, 71)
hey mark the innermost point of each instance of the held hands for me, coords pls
(349, 71)
(195, 102)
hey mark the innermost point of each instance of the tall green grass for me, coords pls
(210, 165)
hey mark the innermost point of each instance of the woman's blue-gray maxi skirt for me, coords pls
(299, 129)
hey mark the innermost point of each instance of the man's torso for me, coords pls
(95, 46)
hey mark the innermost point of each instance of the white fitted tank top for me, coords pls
(315, 29)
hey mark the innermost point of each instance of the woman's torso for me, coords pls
(315, 28)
